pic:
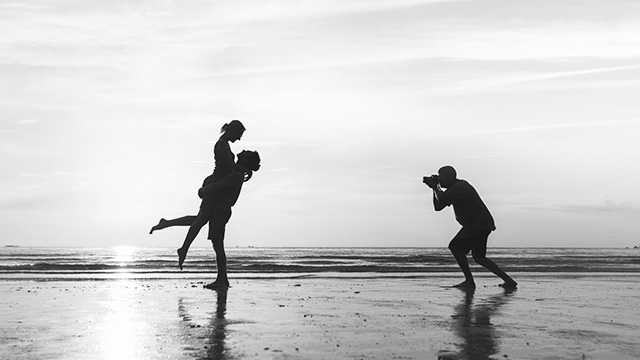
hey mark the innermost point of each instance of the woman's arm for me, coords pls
(224, 151)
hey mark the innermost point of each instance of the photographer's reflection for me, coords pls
(215, 334)
(472, 323)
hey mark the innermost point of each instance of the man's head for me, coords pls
(249, 160)
(447, 176)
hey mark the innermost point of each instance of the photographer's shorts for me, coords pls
(218, 222)
(471, 240)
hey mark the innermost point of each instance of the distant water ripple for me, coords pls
(38, 261)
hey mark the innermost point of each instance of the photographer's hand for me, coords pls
(437, 192)
(429, 182)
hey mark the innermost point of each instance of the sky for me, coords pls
(109, 111)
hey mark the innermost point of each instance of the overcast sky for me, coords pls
(109, 111)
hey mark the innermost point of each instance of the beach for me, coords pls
(328, 316)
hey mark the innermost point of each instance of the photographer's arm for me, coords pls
(437, 195)
(431, 182)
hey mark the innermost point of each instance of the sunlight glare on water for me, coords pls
(124, 254)
(119, 338)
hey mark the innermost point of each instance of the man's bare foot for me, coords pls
(161, 225)
(217, 285)
(465, 285)
(509, 285)
(182, 254)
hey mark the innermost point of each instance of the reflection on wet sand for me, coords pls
(472, 323)
(212, 341)
(218, 328)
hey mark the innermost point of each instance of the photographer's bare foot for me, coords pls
(509, 285)
(182, 254)
(465, 285)
(217, 285)
(161, 225)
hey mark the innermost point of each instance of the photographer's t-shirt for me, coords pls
(469, 209)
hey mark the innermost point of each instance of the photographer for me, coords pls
(476, 220)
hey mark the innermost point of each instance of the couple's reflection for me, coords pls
(472, 323)
(216, 332)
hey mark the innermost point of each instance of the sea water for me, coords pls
(136, 262)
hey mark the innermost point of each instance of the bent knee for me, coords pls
(453, 248)
(479, 258)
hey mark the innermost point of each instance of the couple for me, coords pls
(219, 192)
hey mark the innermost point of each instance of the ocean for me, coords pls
(134, 262)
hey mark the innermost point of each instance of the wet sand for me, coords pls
(550, 316)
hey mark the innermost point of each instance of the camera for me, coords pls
(433, 179)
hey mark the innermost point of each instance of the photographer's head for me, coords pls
(447, 176)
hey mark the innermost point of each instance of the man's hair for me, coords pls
(253, 160)
(449, 170)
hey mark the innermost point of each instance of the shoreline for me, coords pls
(200, 275)
(547, 317)
(91, 262)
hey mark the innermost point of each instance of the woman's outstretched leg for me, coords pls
(181, 221)
(193, 231)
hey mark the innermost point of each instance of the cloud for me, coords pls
(576, 125)
(605, 204)
(341, 98)
(12, 149)
(54, 174)
(498, 81)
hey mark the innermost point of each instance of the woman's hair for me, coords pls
(253, 160)
(231, 126)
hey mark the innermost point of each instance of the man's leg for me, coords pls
(494, 268)
(457, 247)
(480, 257)
(221, 263)
(217, 225)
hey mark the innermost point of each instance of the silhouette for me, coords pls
(224, 165)
(222, 195)
(473, 325)
(216, 346)
(475, 218)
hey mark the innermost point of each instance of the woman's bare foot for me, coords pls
(161, 225)
(182, 254)
(465, 285)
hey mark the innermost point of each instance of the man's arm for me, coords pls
(437, 195)
(227, 157)
(228, 181)
(442, 199)
(438, 204)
